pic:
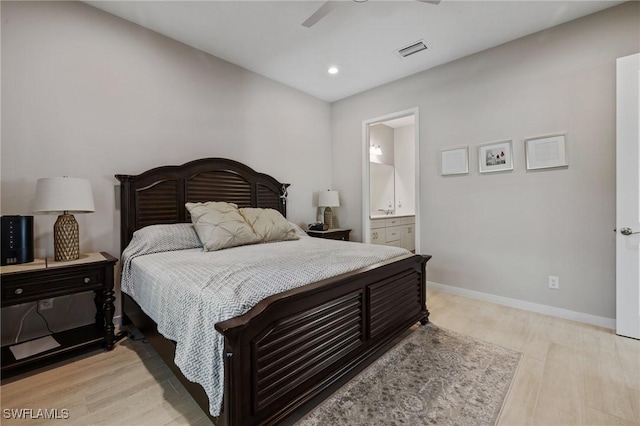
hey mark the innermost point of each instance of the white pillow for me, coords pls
(160, 238)
(269, 224)
(220, 225)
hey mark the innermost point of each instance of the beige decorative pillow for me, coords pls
(269, 224)
(220, 225)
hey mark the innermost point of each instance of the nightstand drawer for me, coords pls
(16, 289)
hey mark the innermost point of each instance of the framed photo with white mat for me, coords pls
(454, 161)
(495, 156)
(546, 152)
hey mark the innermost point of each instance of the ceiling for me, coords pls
(359, 38)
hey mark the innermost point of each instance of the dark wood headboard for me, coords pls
(158, 196)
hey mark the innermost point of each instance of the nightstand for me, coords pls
(30, 282)
(332, 234)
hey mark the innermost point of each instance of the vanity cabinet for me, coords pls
(378, 235)
(394, 231)
(408, 229)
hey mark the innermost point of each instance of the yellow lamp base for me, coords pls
(66, 238)
(328, 217)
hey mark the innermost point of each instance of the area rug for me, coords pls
(432, 377)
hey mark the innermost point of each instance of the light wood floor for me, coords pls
(571, 373)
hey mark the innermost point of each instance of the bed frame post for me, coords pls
(283, 198)
(425, 319)
(125, 206)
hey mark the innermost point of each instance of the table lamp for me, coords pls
(328, 199)
(64, 195)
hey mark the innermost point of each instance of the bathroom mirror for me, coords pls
(381, 187)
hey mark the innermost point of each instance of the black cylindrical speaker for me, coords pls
(17, 240)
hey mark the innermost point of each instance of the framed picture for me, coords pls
(546, 152)
(495, 156)
(454, 161)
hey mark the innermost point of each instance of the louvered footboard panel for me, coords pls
(298, 347)
(393, 301)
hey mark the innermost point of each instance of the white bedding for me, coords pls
(186, 292)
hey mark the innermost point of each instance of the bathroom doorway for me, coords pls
(391, 180)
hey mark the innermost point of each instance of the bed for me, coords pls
(376, 303)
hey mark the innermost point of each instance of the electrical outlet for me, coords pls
(554, 282)
(45, 304)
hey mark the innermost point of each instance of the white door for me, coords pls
(628, 197)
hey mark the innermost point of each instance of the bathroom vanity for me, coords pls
(393, 230)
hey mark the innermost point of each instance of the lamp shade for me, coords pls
(63, 194)
(328, 199)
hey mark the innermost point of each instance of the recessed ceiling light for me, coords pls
(333, 70)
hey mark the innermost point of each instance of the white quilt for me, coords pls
(186, 292)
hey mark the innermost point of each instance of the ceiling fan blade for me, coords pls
(436, 2)
(320, 13)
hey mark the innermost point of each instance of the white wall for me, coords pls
(505, 233)
(89, 95)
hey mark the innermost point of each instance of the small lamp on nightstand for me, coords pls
(67, 196)
(328, 199)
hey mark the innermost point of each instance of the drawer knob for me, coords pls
(18, 291)
(87, 280)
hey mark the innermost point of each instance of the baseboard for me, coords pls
(527, 306)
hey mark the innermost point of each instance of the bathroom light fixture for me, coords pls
(375, 149)
(333, 70)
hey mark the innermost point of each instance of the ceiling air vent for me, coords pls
(416, 47)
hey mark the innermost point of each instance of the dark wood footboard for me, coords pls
(293, 345)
